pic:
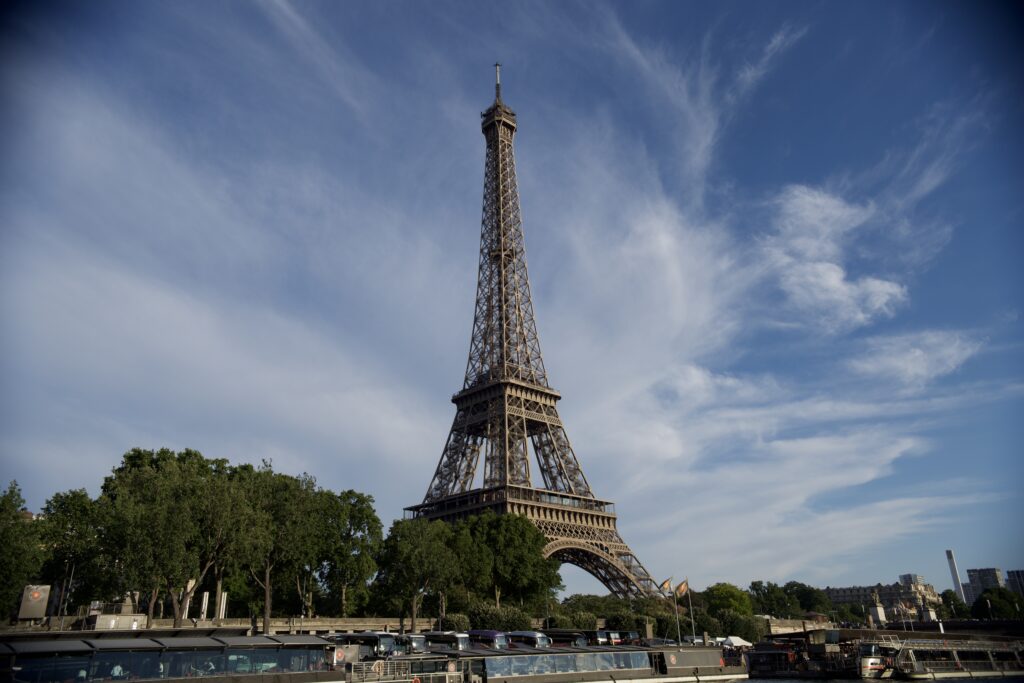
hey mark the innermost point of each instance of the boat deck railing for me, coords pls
(399, 670)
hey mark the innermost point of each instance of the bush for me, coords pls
(625, 621)
(584, 620)
(484, 616)
(453, 621)
(561, 621)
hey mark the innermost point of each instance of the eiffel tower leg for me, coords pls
(457, 466)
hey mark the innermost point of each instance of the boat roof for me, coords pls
(32, 646)
(124, 644)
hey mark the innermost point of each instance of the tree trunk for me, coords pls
(412, 614)
(497, 598)
(266, 599)
(176, 604)
(218, 573)
(344, 600)
(153, 595)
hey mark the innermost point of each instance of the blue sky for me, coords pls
(774, 248)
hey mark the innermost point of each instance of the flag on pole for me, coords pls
(666, 585)
(682, 588)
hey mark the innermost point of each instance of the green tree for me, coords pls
(743, 625)
(76, 564)
(148, 525)
(810, 599)
(519, 569)
(476, 559)
(952, 606)
(998, 603)
(352, 533)
(849, 613)
(722, 596)
(171, 519)
(222, 518)
(416, 559)
(22, 554)
(282, 540)
(770, 599)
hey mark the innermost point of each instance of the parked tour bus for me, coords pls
(411, 643)
(495, 640)
(529, 638)
(356, 647)
(447, 640)
(566, 638)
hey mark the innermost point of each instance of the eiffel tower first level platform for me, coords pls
(506, 411)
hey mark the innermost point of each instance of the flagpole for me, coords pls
(689, 601)
(675, 604)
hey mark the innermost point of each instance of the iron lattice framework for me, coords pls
(506, 404)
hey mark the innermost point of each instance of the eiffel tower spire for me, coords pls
(506, 407)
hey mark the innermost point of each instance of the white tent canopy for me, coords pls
(736, 641)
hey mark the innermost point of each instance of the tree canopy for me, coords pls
(166, 524)
(21, 558)
(998, 603)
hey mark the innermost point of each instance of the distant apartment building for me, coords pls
(969, 596)
(983, 579)
(1015, 581)
(909, 591)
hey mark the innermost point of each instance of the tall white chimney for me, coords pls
(957, 586)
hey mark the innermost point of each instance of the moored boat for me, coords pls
(87, 658)
(934, 659)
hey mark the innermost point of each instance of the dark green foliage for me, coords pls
(77, 565)
(453, 621)
(353, 535)
(809, 598)
(584, 620)
(518, 569)
(601, 605)
(416, 559)
(165, 520)
(626, 621)
(665, 626)
(770, 599)
(561, 620)
(21, 556)
(170, 517)
(850, 613)
(952, 606)
(998, 603)
(743, 625)
(706, 624)
(485, 616)
(722, 596)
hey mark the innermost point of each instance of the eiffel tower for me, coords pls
(506, 402)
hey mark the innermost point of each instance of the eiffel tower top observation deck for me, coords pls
(506, 405)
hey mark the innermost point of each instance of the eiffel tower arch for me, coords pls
(506, 408)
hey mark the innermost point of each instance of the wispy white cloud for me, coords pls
(915, 359)
(700, 100)
(806, 251)
(812, 224)
(348, 78)
(751, 73)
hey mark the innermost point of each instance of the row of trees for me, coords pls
(168, 525)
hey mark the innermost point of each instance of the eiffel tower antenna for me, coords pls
(506, 408)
